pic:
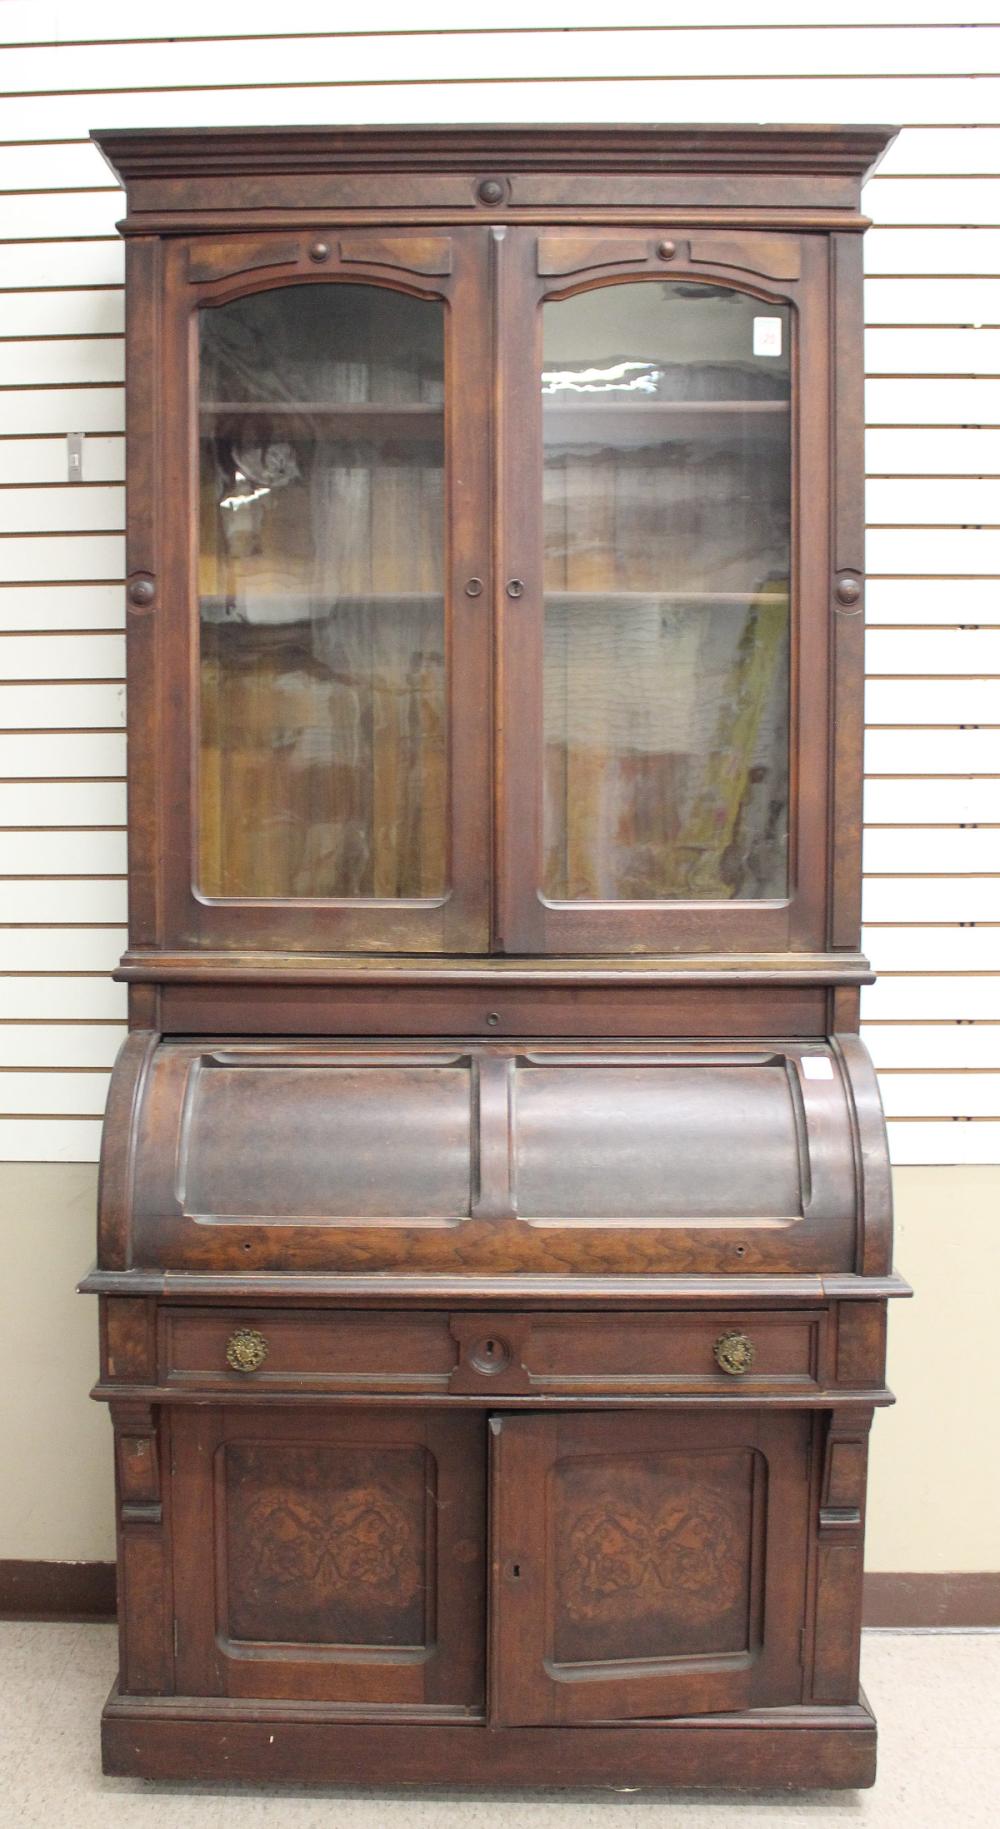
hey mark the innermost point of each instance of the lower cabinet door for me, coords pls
(646, 1566)
(336, 1558)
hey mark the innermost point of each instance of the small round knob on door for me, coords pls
(141, 592)
(666, 249)
(515, 587)
(246, 1350)
(734, 1353)
(474, 587)
(491, 190)
(848, 592)
(319, 251)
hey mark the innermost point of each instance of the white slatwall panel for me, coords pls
(932, 892)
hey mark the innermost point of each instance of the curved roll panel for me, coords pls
(285, 1156)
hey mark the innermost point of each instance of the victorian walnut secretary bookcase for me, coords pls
(495, 1231)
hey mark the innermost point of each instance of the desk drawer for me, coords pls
(312, 1349)
(497, 1354)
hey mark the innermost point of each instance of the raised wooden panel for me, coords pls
(234, 254)
(575, 253)
(655, 1573)
(495, 1157)
(416, 253)
(772, 256)
(336, 1558)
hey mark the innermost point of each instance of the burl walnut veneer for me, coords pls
(495, 1225)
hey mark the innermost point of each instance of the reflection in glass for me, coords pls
(322, 760)
(666, 448)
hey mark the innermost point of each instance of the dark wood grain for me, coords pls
(480, 1143)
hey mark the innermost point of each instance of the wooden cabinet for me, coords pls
(495, 1231)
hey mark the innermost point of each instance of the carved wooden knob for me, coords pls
(246, 1350)
(848, 592)
(141, 592)
(490, 191)
(319, 251)
(666, 249)
(734, 1353)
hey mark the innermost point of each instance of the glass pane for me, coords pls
(667, 475)
(323, 722)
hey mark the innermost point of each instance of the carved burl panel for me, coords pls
(657, 1569)
(328, 1545)
(652, 1555)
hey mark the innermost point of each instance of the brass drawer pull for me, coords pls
(246, 1350)
(734, 1353)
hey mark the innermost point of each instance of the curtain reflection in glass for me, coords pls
(322, 759)
(666, 444)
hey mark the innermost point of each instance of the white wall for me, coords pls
(932, 851)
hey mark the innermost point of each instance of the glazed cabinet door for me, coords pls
(647, 1565)
(336, 1558)
(320, 617)
(664, 596)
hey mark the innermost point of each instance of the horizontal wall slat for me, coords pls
(900, 251)
(932, 1095)
(947, 801)
(62, 657)
(921, 997)
(63, 1000)
(24, 461)
(44, 216)
(934, 549)
(933, 949)
(511, 56)
(900, 1044)
(50, 1139)
(926, 301)
(924, 100)
(33, 410)
(98, 313)
(941, 651)
(62, 263)
(932, 400)
(941, 149)
(910, 849)
(959, 500)
(61, 707)
(62, 803)
(35, 901)
(59, 20)
(31, 1044)
(61, 606)
(62, 752)
(919, 701)
(71, 361)
(74, 166)
(931, 898)
(74, 557)
(74, 507)
(59, 949)
(918, 200)
(930, 350)
(62, 853)
(945, 1141)
(966, 600)
(76, 1094)
(933, 450)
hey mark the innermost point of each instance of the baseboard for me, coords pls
(57, 1590)
(86, 1590)
(932, 1600)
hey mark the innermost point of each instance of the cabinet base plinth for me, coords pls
(205, 1737)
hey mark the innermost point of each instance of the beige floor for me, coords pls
(937, 1697)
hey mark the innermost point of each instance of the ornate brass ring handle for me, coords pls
(246, 1350)
(734, 1353)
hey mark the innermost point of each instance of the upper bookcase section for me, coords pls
(788, 177)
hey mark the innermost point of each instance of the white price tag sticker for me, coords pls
(817, 1067)
(767, 336)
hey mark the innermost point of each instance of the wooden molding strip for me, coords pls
(965, 1599)
(86, 1591)
(57, 1590)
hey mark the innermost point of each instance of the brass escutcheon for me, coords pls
(734, 1353)
(246, 1350)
